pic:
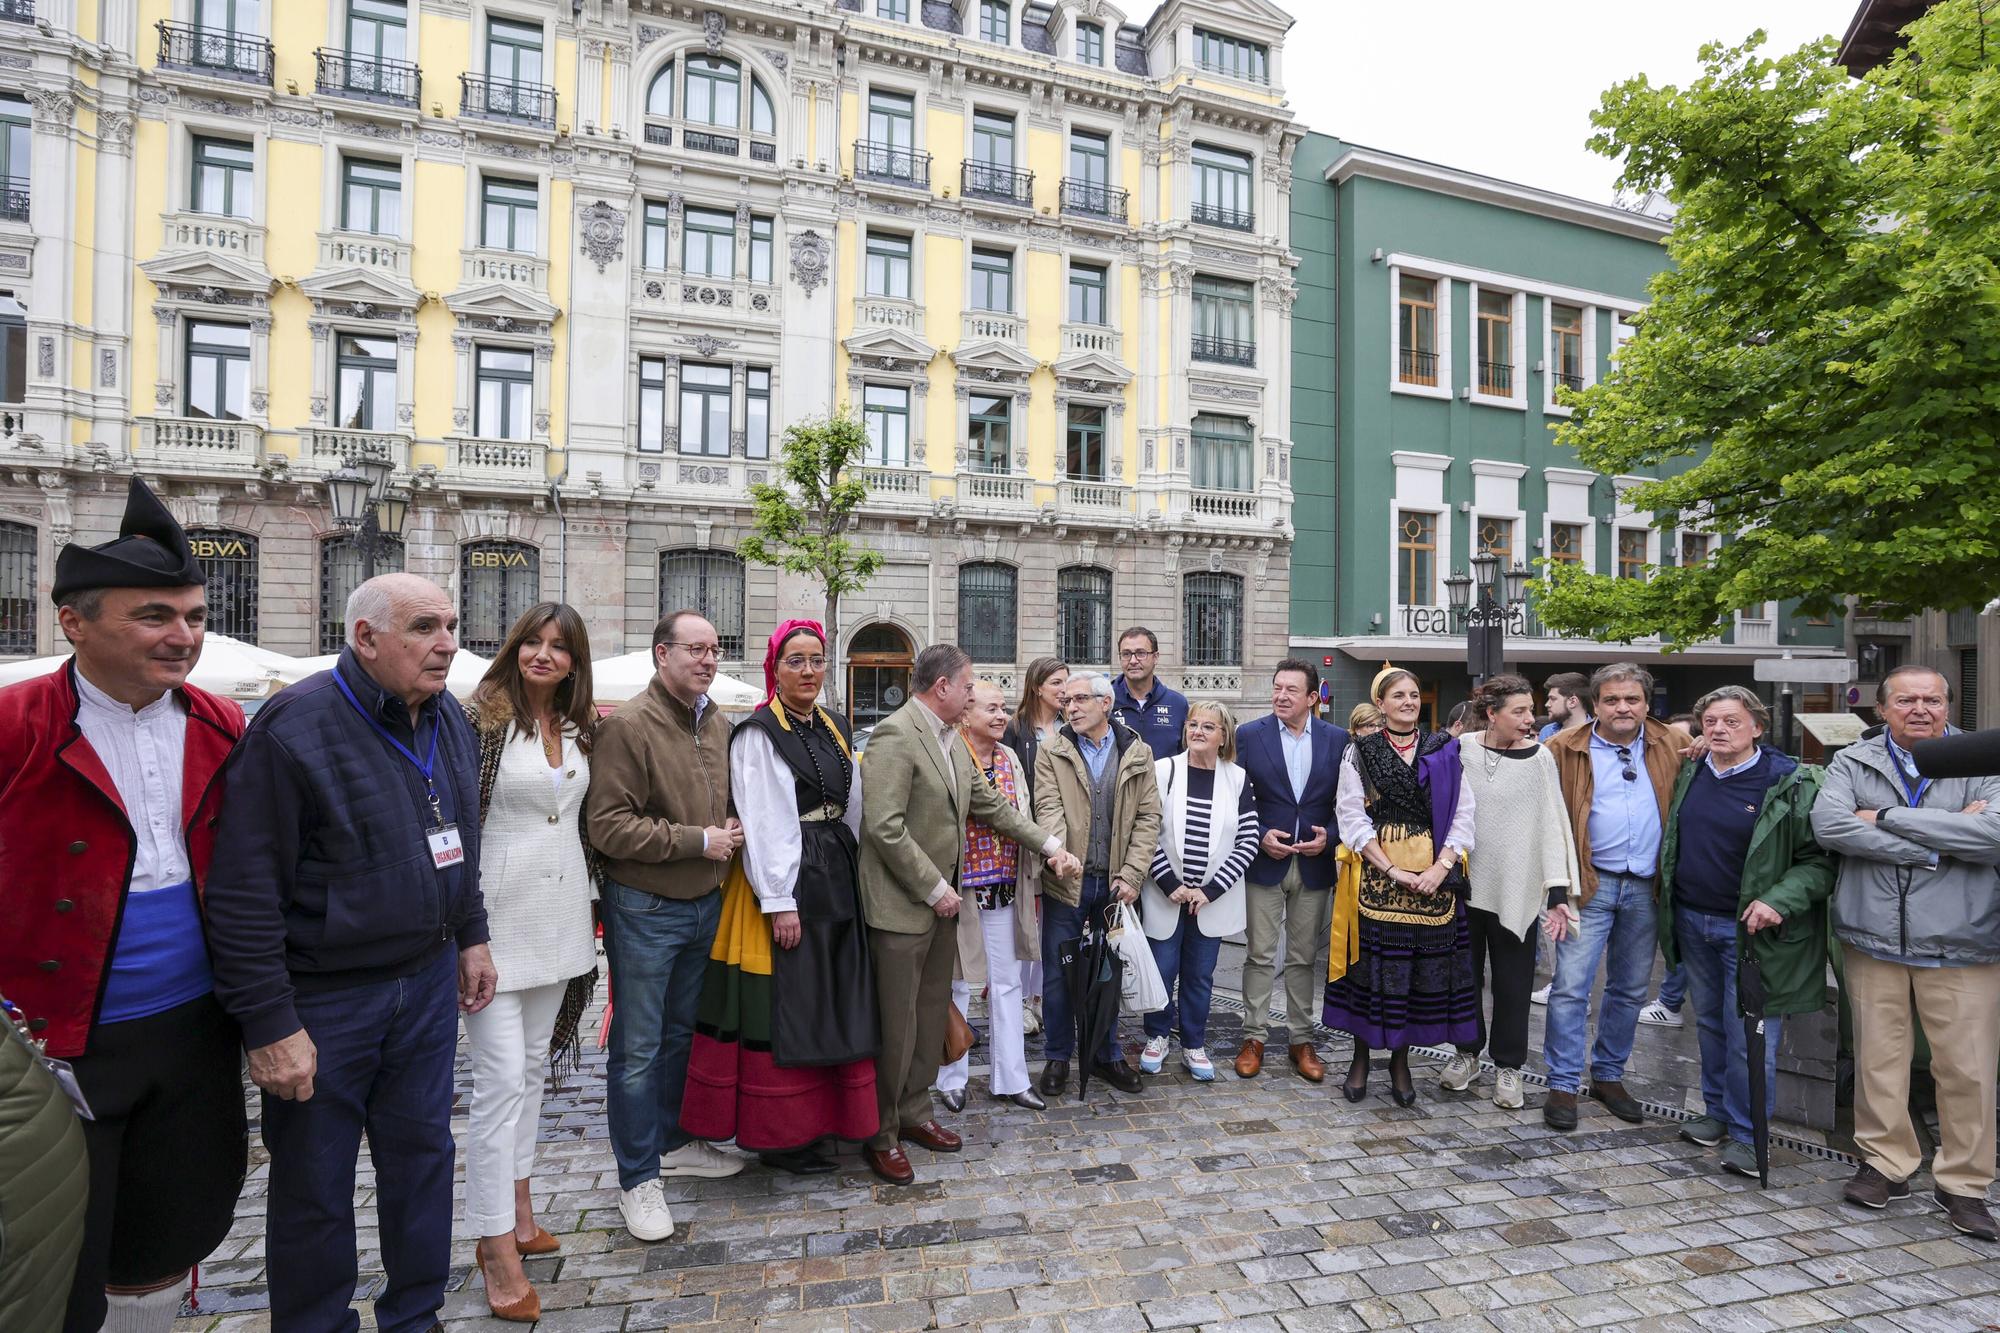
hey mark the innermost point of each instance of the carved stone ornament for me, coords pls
(53, 110)
(406, 413)
(260, 402)
(810, 257)
(107, 370)
(602, 230)
(318, 406)
(713, 25)
(707, 345)
(460, 418)
(45, 357)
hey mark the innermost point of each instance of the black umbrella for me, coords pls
(1092, 970)
(1750, 1001)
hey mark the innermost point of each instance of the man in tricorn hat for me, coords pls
(107, 816)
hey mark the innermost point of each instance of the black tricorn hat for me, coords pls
(151, 551)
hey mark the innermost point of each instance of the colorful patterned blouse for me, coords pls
(991, 861)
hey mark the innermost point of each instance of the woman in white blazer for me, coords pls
(1208, 837)
(535, 716)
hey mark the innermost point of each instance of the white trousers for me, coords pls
(1005, 1048)
(510, 1055)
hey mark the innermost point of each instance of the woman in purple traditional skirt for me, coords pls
(1401, 795)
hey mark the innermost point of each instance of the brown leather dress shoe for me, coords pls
(890, 1164)
(934, 1136)
(1968, 1213)
(1618, 1101)
(1250, 1059)
(1871, 1189)
(1559, 1111)
(1306, 1060)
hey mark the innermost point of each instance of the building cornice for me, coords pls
(1377, 165)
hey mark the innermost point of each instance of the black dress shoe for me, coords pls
(799, 1162)
(1118, 1074)
(1055, 1078)
(954, 1100)
(1025, 1099)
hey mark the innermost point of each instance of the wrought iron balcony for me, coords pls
(991, 180)
(20, 11)
(1417, 367)
(14, 199)
(344, 74)
(224, 54)
(1086, 199)
(504, 99)
(1496, 378)
(661, 136)
(1225, 351)
(1214, 215)
(1568, 379)
(886, 162)
(763, 152)
(706, 141)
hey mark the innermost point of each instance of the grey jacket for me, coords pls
(1890, 900)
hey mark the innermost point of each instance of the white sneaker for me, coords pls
(1459, 1072)
(1507, 1090)
(645, 1211)
(1659, 1016)
(1541, 996)
(1199, 1065)
(1031, 1019)
(696, 1158)
(1154, 1056)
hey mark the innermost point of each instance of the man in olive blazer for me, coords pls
(919, 786)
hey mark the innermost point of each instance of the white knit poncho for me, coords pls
(1522, 842)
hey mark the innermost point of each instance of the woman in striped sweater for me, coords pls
(1208, 836)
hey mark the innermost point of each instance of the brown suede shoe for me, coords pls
(934, 1136)
(1250, 1059)
(1618, 1101)
(1869, 1188)
(890, 1164)
(1559, 1111)
(1968, 1213)
(1306, 1060)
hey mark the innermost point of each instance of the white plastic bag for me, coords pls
(1141, 990)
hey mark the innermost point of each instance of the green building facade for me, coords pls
(1437, 311)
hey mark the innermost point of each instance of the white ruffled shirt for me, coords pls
(145, 751)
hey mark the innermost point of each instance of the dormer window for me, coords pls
(1239, 59)
(1090, 43)
(996, 21)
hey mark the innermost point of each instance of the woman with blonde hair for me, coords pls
(1195, 899)
(535, 716)
(1364, 720)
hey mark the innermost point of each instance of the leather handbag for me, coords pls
(958, 1035)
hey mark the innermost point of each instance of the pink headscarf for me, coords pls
(778, 637)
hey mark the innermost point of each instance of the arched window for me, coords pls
(710, 582)
(1213, 618)
(18, 599)
(763, 116)
(230, 561)
(660, 95)
(340, 573)
(497, 581)
(1083, 614)
(714, 92)
(986, 611)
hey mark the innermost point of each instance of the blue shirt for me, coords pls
(1298, 750)
(1548, 730)
(1624, 825)
(1160, 720)
(1097, 754)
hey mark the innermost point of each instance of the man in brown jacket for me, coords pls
(1617, 778)
(1094, 786)
(658, 810)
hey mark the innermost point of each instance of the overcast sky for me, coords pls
(1506, 87)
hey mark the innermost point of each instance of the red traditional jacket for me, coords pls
(67, 847)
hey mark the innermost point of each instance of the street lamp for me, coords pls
(364, 505)
(1486, 600)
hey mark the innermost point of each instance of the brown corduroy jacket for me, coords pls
(657, 781)
(1571, 749)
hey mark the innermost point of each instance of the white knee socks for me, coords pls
(152, 1313)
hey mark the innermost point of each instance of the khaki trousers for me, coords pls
(1960, 1008)
(912, 988)
(1304, 916)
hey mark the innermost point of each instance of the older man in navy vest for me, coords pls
(1293, 760)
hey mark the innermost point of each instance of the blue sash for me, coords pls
(160, 959)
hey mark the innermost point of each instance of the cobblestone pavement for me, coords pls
(1271, 1205)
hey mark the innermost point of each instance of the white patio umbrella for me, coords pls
(228, 667)
(616, 679)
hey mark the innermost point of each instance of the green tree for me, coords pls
(1827, 344)
(801, 523)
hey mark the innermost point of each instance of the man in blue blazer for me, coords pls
(1293, 760)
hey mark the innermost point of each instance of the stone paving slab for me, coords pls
(1269, 1206)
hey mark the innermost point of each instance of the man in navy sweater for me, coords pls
(1142, 701)
(347, 931)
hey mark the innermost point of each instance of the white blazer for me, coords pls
(1226, 915)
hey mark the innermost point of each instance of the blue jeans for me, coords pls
(1674, 988)
(1189, 955)
(1708, 955)
(385, 1053)
(1062, 922)
(1619, 920)
(657, 948)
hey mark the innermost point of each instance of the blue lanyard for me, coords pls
(1903, 775)
(425, 766)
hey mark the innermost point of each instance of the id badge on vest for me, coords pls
(447, 850)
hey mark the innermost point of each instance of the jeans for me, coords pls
(1674, 988)
(1708, 957)
(1190, 956)
(657, 949)
(1062, 922)
(385, 1052)
(1618, 921)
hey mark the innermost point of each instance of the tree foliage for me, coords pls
(800, 523)
(1827, 344)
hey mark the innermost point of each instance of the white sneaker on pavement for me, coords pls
(1199, 1065)
(696, 1158)
(645, 1211)
(1507, 1090)
(1154, 1056)
(1459, 1071)
(1541, 996)
(1659, 1016)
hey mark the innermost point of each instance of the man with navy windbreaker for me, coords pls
(347, 931)
(1293, 760)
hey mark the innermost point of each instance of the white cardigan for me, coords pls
(1227, 914)
(531, 867)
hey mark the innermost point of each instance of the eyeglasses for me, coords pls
(1625, 758)
(1135, 654)
(700, 652)
(797, 663)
